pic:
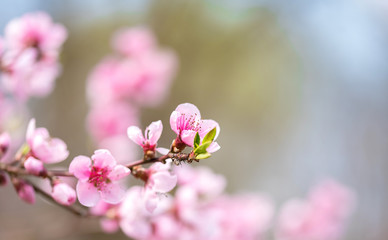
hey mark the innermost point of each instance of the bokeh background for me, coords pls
(300, 89)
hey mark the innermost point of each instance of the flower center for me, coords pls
(99, 177)
(189, 122)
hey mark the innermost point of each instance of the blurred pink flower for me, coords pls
(110, 216)
(43, 147)
(322, 216)
(134, 41)
(111, 120)
(63, 194)
(35, 30)
(159, 181)
(98, 178)
(186, 122)
(5, 141)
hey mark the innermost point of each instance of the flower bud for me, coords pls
(34, 166)
(63, 194)
(25, 191)
(5, 140)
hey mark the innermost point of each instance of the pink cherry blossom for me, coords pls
(111, 120)
(34, 166)
(110, 217)
(134, 217)
(149, 140)
(159, 181)
(322, 216)
(186, 122)
(35, 30)
(63, 194)
(24, 190)
(43, 147)
(134, 41)
(98, 177)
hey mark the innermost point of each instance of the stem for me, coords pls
(71, 209)
(174, 156)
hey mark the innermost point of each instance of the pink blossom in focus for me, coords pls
(43, 147)
(98, 177)
(34, 166)
(63, 194)
(149, 140)
(35, 30)
(159, 181)
(322, 216)
(111, 120)
(134, 41)
(186, 122)
(25, 191)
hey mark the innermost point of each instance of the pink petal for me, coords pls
(103, 158)
(154, 131)
(214, 147)
(30, 131)
(173, 121)
(207, 126)
(134, 133)
(188, 136)
(113, 193)
(109, 226)
(88, 195)
(80, 167)
(151, 200)
(163, 151)
(118, 172)
(138, 229)
(188, 109)
(163, 182)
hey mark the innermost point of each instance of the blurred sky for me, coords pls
(301, 88)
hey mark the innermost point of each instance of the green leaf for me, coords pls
(210, 136)
(25, 149)
(203, 156)
(202, 148)
(197, 140)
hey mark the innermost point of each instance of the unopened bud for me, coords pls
(63, 194)
(5, 140)
(35, 167)
(25, 191)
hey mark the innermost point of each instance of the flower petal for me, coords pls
(134, 133)
(118, 172)
(80, 167)
(188, 109)
(207, 126)
(154, 131)
(88, 195)
(163, 181)
(113, 193)
(30, 131)
(188, 136)
(103, 158)
(173, 121)
(163, 151)
(214, 147)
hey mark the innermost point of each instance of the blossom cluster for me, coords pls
(174, 200)
(29, 54)
(139, 74)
